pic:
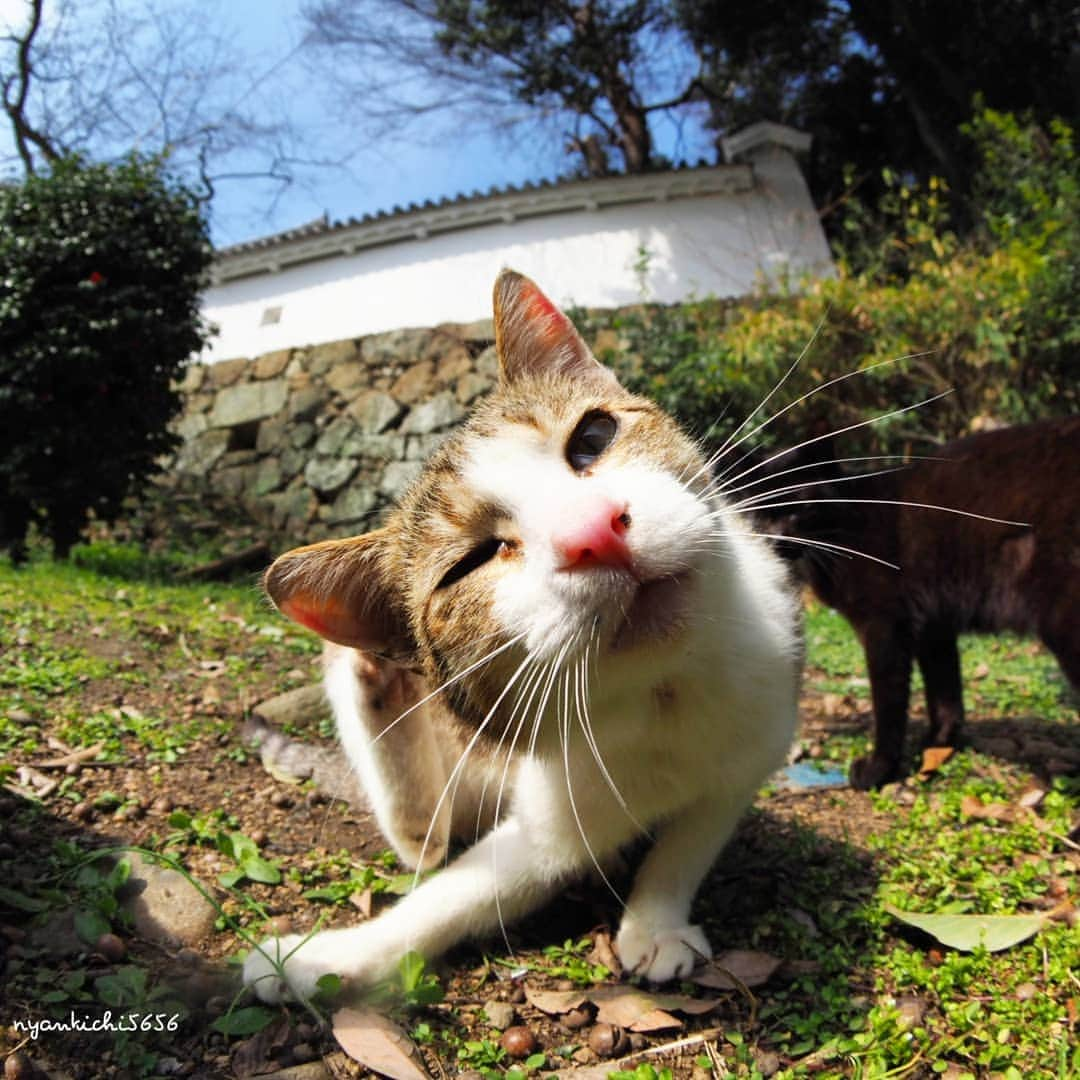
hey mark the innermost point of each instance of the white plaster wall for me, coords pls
(708, 245)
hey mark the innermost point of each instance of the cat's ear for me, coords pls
(533, 337)
(344, 591)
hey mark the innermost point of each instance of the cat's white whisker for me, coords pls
(886, 502)
(463, 757)
(717, 484)
(822, 544)
(809, 394)
(450, 682)
(728, 444)
(564, 738)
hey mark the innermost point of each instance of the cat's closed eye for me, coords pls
(593, 435)
(483, 552)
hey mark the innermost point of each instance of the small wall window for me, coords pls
(271, 316)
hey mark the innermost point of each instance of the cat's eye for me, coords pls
(482, 553)
(593, 435)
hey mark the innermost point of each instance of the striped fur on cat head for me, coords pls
(566, 512)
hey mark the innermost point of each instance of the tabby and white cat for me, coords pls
(560, 639)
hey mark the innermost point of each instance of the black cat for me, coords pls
(956, 573)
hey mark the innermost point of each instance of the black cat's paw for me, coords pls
(872, 771)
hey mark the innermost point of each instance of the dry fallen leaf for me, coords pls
(378, 1044)
(748, 967)
(627, 1007)
(555, 1001)
(973, 806)
(933, 758)
(603, 952)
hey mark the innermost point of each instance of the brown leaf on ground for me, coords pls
(603, 952)
(378, 1044)
(255, 1056)
(748, 968)
(973, 806)
(933, 758)
(555, 1001)
(625, 1006)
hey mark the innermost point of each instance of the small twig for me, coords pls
(73, 757)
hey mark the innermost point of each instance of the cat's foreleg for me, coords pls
(501, 878)
(888, 650)
(939, 662)
(656, 938)
(395, 749)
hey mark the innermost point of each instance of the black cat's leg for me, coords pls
(939, 662)
(888, 659)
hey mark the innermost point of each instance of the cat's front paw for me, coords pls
(872, 771)
(282, 969)
(661, 953)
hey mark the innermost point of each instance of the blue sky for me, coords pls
(265, 69)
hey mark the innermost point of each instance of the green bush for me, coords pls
(102, 267)
(916, 310)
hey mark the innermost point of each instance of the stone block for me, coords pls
(415, 384)
(293, 509)
(355, 503)
(272, 434)
(334, 436)
(189, 425)
(421, 447)
(453, 365)
(268, 476)
(397, 476)
(442, 411)
(301, 434)
(305, 403)
(293, 461)
(347, 379)
(235, 481)
(194, 374)
(374, 412)
(246, 402)
(201, 454)
(271, 365)
(399, 347)
(471, 385)
(487, 363)
(328, 474)
(325, 358)
(387, 447)
(480, 330)
(225, 372)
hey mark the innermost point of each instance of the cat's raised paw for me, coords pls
(284, 969)
(661, 954)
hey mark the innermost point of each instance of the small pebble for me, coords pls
(768, 1063)
(564, 984)
(1026, 991)
(576, 1018)
(162, 805)
(217, 1005)
(608, 1041)
(500, 1014)
(517, 994)
(259, 837)
(84, 811)
(111, 947)
(279, 925)
(637, 1041)
(518, 1042)
(281, 800)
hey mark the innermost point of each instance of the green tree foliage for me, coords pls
(989, 320)
(101, 267)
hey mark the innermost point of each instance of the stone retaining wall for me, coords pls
(316, 442)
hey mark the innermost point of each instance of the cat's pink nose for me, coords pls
(596, 538)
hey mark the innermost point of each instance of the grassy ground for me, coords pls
(158, 678)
